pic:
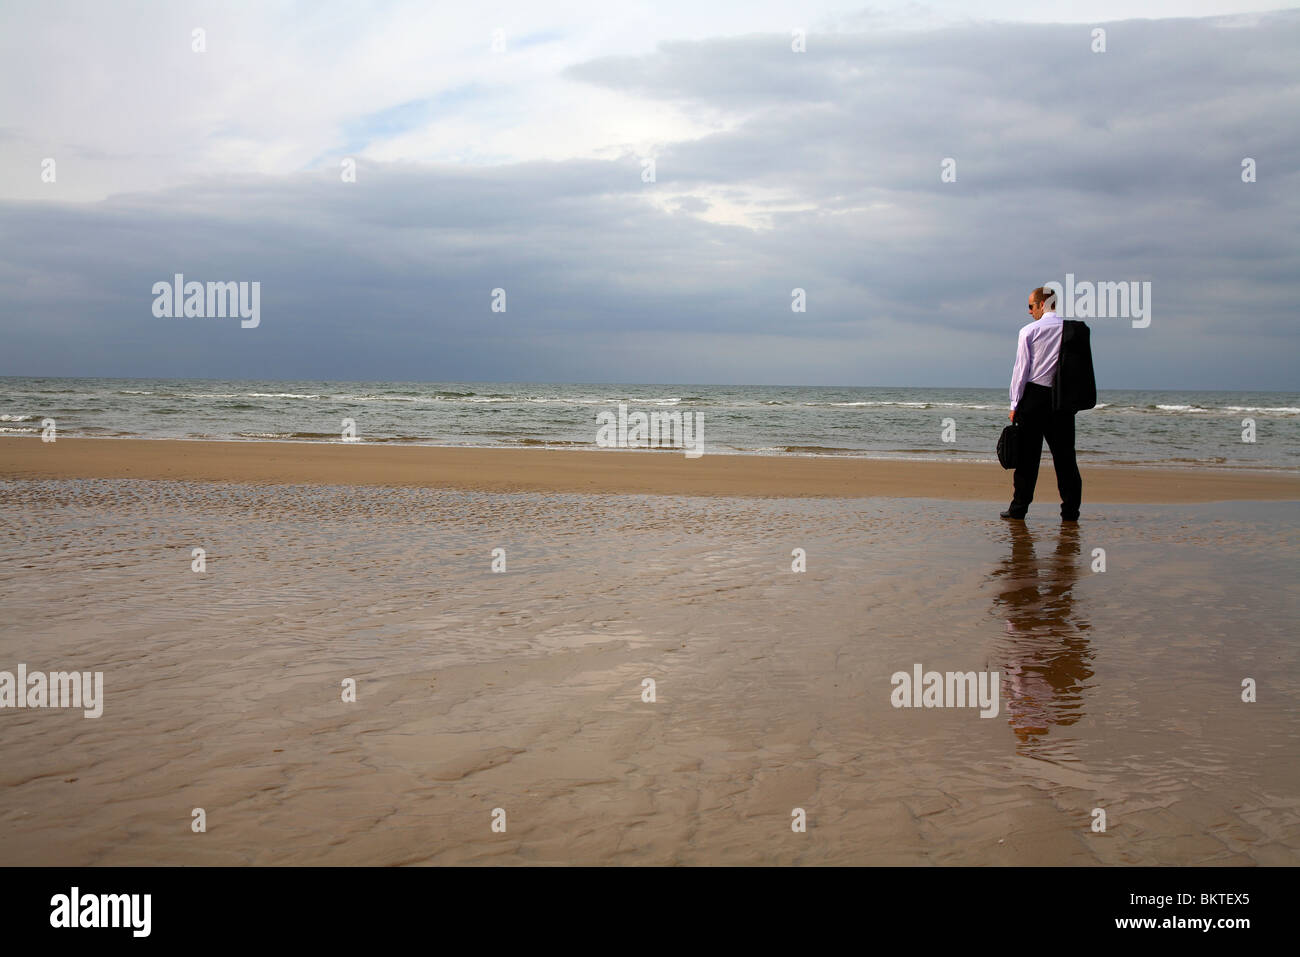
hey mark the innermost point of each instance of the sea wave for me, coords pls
(818, 450)
(1180, 409)
(900, 404)
(384, 398)
(637, 400)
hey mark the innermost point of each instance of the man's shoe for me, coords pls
(1012, 515)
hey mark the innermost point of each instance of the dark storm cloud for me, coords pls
(1116, 166)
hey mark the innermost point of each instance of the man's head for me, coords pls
(1041, 300)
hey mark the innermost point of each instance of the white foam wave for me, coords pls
(1276, 410)
(907, 405)
(384, 398)
(635, 400)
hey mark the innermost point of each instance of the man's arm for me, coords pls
(1020, 372)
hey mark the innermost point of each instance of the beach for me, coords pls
(771, 601)
(648, 472)
(573, 437)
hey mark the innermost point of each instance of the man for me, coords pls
(1038, 353)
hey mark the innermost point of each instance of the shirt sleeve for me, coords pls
(1020, 372)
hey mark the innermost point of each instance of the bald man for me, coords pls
(1038, 353)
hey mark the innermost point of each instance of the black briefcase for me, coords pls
(1009, 447)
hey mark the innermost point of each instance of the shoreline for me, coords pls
(922, 456)
(606, 471)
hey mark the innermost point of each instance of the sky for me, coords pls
(507, 146)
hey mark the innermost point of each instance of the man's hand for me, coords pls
(1012, 415)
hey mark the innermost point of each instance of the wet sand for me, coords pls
(613, 471)
(522, 690)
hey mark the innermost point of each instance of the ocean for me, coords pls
(1171, 428)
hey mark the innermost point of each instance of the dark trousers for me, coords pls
(1037, 421)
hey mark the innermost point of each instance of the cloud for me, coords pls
(818, 170)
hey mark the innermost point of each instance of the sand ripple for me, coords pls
(1120, 690)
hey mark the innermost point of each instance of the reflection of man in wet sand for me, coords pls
(1045, 654)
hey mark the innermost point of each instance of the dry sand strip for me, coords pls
(649, 472)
